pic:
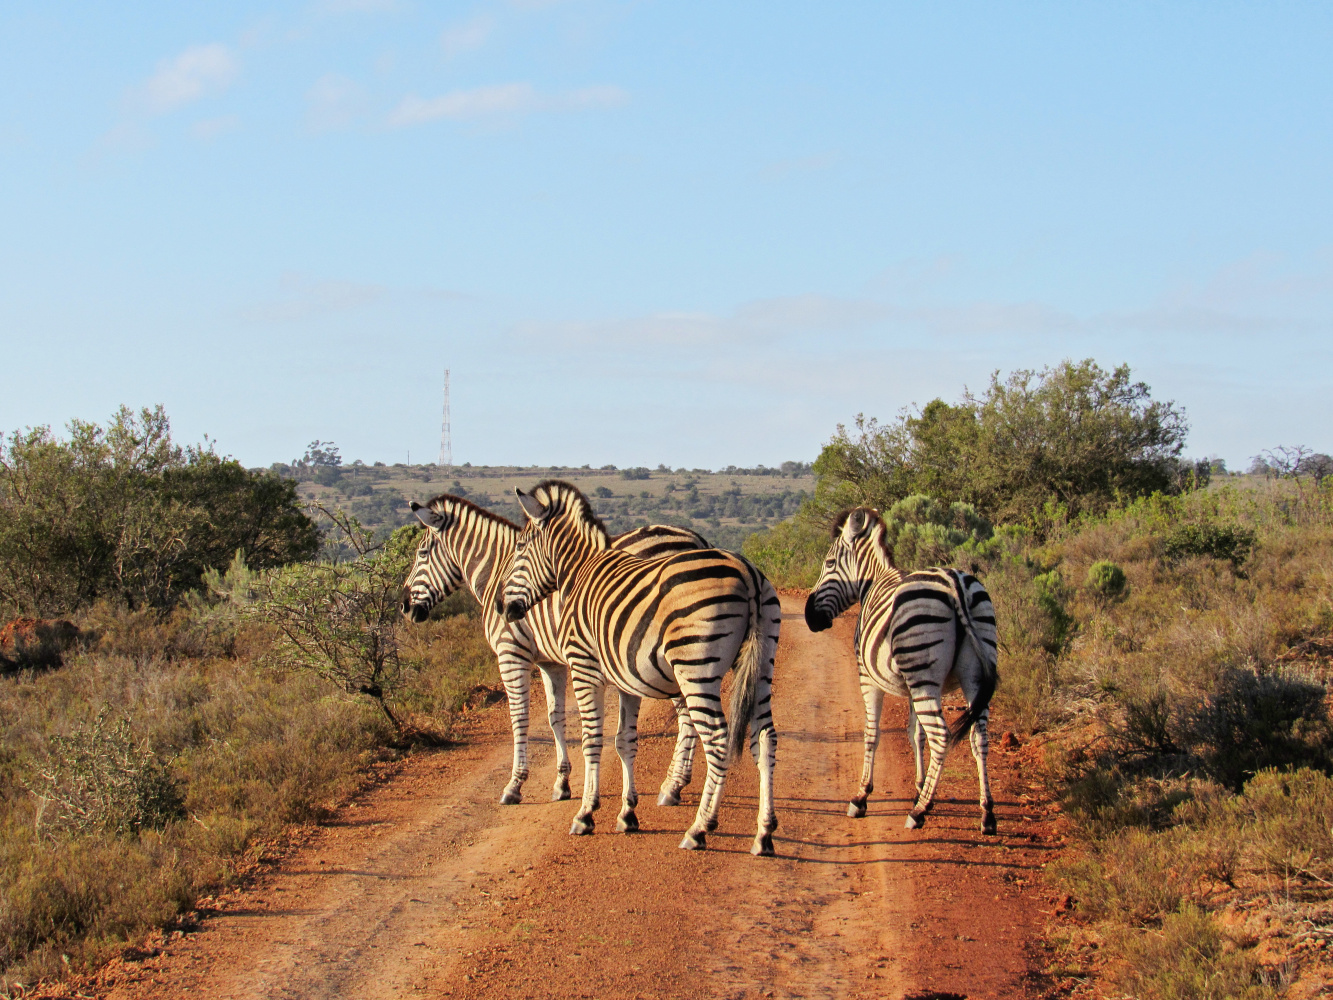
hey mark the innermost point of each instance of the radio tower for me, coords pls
(446, 446)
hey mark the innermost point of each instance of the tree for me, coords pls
(1318, 466)
(123, 512)
(1075, 435)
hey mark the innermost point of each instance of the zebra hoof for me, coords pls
(671, 798)
(856, 809)
(581, 827)
(560, 794)
(915, 820)
(988, 824)
(694, 841)
(763, 846)
(511, 797)
(628, 822)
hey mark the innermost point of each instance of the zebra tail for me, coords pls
(747, 678)
(990, 676)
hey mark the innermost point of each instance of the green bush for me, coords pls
(1230, 542)
(1107, 580)
(923, 532)
(791, 554)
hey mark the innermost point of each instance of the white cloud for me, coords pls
(334, 102)
(197, 72)
(210, 128)
(498, 100)
(467, 36)
(300, 298)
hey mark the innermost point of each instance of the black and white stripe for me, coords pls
(653, 628)
(467, 546)
(919, 636)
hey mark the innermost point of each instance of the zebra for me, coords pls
(466, 545)
(654, 629)
(918, 636)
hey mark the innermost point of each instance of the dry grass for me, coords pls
(249, 749)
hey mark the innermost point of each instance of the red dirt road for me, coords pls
(427, 887)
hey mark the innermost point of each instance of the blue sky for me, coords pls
(691, 233)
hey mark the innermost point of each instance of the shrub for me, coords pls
(1229, 542)
(1107, 581)
(341, 620)
(1189, 958)
(790, 554)
(1256, 721)
(100, 778)
(923, 532)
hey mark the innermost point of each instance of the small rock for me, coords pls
(1009, 742)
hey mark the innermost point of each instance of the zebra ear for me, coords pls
(428, 517)
(531, 505)
(856, 523)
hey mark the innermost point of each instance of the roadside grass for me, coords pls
(166, 758)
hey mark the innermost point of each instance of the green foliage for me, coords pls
(123, 513)
(342, 620)
(1073, 436)
(637, 473)
(99, 778)
(924, 532)
(1107, 580)
(790, 554)
(1230, 542)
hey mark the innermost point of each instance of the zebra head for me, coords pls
(858, 544)
(561, 531)
(435, 573)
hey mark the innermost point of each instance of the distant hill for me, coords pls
(724, 506)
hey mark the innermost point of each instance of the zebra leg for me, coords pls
(874, 699)
(980, 744)
(553, 679)
(516, 672)
(764, 749)
(591, 699)
(682, 760)
(704, 699)
(916, 733)
(930, 716)
(627, 746)
(764, 737)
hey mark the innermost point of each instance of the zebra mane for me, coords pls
(835, 527)
(469, 505)
(575, 502)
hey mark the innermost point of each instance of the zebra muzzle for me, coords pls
(815, 619)
(515, 610)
